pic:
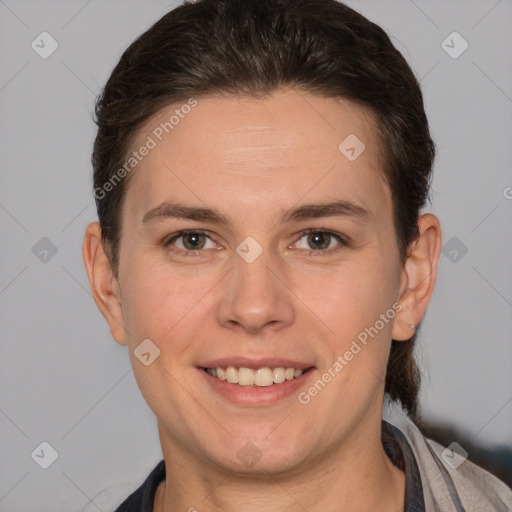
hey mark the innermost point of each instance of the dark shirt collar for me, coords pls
(400, 453)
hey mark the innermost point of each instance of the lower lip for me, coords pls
(256, 395)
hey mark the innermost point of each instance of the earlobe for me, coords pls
(418, 277)
(104, 285)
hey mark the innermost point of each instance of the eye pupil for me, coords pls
(195, 239)
(322, 239)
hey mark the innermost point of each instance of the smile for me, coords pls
(256, 387)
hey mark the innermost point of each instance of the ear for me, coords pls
(104, 285)
(418, 277)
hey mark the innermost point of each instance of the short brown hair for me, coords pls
(253, 48)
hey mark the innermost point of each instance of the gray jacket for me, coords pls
(450, 483)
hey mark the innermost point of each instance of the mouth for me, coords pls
(251, 383)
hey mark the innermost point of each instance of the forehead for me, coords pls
(245, 152)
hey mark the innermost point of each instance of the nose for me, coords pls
(255, 297)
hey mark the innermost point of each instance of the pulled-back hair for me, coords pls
(253, 48)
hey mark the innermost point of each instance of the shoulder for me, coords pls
(449, 480)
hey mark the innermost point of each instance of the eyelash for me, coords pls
(343, 242)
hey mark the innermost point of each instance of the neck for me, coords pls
(355, 477)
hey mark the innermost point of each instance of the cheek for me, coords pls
(154, 299)
(352, 297)
(167, 305)
(357, 305)
(161, 306)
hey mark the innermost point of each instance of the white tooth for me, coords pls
(279, 375)
(264, 377)
(249, 377)
(231, 375)
(246, 376)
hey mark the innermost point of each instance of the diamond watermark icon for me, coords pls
(455, 249)
(454, 45)
(44, 455)
(352, 147)
(146, 352)
(454, 455)
(44, 250)
(249, 454)
(44, 45)
(249, 250)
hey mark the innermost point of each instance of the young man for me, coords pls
(259, 173)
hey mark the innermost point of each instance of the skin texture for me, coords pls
(252, 159)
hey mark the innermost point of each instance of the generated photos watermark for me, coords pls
(152, 141)
(355, 348)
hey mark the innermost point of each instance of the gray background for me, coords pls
(66, 382)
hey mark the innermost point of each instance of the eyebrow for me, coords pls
(173, 210)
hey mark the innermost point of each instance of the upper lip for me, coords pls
(255, 364)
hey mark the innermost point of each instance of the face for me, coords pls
(267, 276)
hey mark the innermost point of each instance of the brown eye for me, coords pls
(320, 241)
(193, 241)
(189, 242)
